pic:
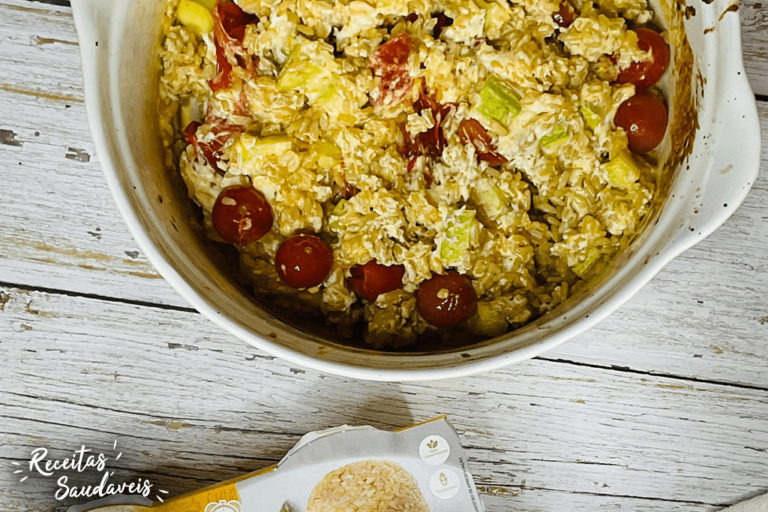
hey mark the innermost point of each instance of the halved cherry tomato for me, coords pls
(565, 14)
(648, 72)
(644, 118)
(241, 215)
(471, 131)
(303, 261)
(372, 279)
(446, 300)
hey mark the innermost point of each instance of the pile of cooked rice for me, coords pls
(367, 486)
(530, 230)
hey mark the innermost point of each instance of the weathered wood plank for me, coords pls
(204, 406)
(61, 228)
(754, 21)
(40, 54)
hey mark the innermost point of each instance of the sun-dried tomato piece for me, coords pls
(431, 142)
(442, 22)
(349, 190)
(471, 131)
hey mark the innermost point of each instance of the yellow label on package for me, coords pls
(421, 468)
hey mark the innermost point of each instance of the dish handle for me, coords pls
(734, 161)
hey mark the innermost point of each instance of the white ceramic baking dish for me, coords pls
(118, 40)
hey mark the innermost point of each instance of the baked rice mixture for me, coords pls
(474, 137)
(367, 486)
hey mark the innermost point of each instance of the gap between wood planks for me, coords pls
(62, 3)
(611, 368)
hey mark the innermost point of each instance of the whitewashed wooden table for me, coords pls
(664, 406)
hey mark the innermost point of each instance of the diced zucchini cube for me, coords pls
(593, 254)
(458, 237)
(622, 170)
(559, 134)
(498, 101)
(328, 154)
(311, 69)
(495, 17)
(338, 210)
(252, 148)
(591, 115)
(297, 70)
(489, 321)
(491, 199)
(210, 4)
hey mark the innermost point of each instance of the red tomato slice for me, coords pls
(446, 300)
(471, 131)
(349, 191)
(241, 215)
(223, 78)
(646, 73)
(390, 62)
(565, 14)
(432, 142)
(395, 84)
(644, 118)
(303, 261)
(234, 19)
(190, 132)
(393, 53)
(372, 279)
(228, 32)
(412, 163)
(222, 132)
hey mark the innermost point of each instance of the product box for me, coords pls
(421, 468)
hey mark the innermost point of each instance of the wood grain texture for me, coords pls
(205, 406)
(754, 22)
(61, 228)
